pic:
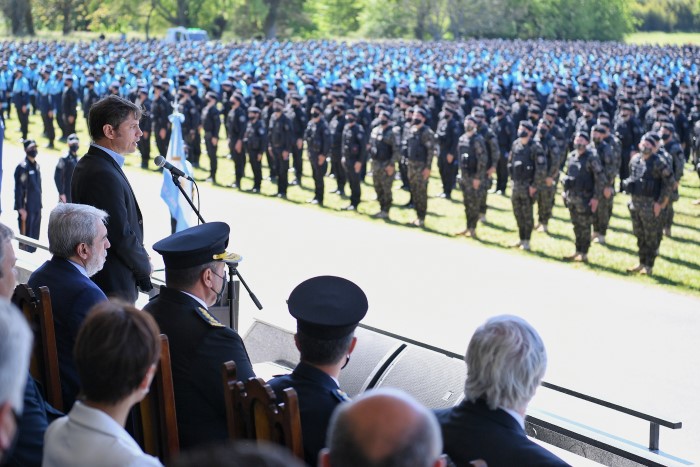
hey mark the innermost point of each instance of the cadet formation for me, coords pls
(538, 114)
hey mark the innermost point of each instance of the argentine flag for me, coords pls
(180, 210)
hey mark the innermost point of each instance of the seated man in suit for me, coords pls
(506, 361)
(36, 412)
(78, 242)
(383, 427)
(15, 349)
(116, 353)
(327, 310)
(195, 278)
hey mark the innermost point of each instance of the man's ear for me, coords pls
(352, 345)
(148, 378)
(82, 251)
(108, 131)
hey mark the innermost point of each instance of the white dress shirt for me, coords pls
(90, 437)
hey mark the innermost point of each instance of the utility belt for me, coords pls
(644, 188)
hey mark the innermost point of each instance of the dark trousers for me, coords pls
(144, 146)
(403, 171)
(256, 165)
(23, 121)
(162, 143)
(271, 163)
(354, 182)
(211, 152)
(32, 225)
(282, 169)
(339, 171)
(502, 173)
(298, 162)
(68, 127)
(448, 174)
(48, 126)
(195, 148)
(238, 164)
(319, 173)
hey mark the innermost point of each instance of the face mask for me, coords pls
(646, 150)
(74, 147)
(580, 146)
(469, 128)
(277, 109)
(523, 134)
(252, 118)
(220, 293)
(416, 121)
(315, 114)
(32, 153)
(597, 140)
(351, 120)
(383, 122)
(542, 132)
(358, 107)
(666, 136)
(500, 114)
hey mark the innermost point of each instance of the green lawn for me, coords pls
(663, 38)
(678, 265)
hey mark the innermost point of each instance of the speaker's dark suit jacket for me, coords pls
(472, 431)
(99, 181)
(72, 296)
(199, 344)
(318, 395)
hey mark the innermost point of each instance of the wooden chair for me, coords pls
(155, 421)
(36, 306)
(253, 412)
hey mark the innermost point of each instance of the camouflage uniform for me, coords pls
(650, 181)
(421, 150)
(584, 180)
(527, 166)
(473, 161)
(385, 152)
(675, 158)
(545, 194)
(610, 159)
(494, 153)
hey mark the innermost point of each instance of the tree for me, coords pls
(19, 13)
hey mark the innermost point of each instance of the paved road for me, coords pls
(619, 340)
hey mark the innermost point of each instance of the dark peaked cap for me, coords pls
(195, 246)
(327, 307)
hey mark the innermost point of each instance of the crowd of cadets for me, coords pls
(354, 127)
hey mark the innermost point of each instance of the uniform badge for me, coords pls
(342, 395)
(213, 322)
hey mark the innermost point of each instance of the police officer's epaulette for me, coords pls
(341, 395)
(154, 297)
(204, 314)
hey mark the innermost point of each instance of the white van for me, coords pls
(180, 34)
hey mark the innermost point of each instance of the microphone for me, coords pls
(161, 162)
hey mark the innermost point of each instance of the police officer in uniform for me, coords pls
(90, 96)
(280, 142)
(254, 143)
(527, 168)
(161, 110)
(583, 188)
(384, 148)
(336, 127)
(28, 194)
(676, 159)
(318, 144)
(69, 107)
(474, 162)
(236, 122)
(64, 169)
(650, 184)
(504, 129)
(610, 160)
(327, 310)
(547, 190)
(353, 154)
(189, 126)
(211, 124)
(298, 119)
(448, 133)
(145, 124)
(493, 152)
(195, 278)
(421, 147)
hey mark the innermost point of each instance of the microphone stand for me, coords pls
(232, 266)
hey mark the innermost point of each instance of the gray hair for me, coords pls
(6, 234)
(15, 349)
(72, 224)
(420, 444)
(506, 361)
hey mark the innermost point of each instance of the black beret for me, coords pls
(327, 307)
(196, 246)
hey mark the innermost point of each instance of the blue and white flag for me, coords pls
(180, 210)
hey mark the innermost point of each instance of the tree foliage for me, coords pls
(414, 19)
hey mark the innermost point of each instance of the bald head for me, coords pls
(384, 427)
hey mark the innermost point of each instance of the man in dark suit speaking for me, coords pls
(99, 181)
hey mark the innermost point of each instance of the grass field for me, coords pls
(664, 38)
(677, 267)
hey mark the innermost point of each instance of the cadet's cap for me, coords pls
(629, 107)
(72, 138)
(340, 106)
(421, 111)
(669, 126)
(227, 82)
(164, 81)
(158, 86)
(257, 86)
(253, 109)
(550, 112)
(28, 142)
(68, 78)
(317, 106)
(527, 124)
(562, 95)
(535, 110)
(143, 91)
(598, 129)
(196, 246)
(294, 96)
(309, 87)
(205, 78)
(181, 77)
(352, 113)
(212, 95)
(584, 135)
(384, 113)
(90, 79)
(652, 137)
(359, 98)
(472, 118)
(278, 101)
(327, 307)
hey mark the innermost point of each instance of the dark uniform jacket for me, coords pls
(318, 396)
(28, 186)
(161, 110)
(280, 134)
(99, 181)
(353, 144)
(318, 138)
(90, 96)
(472, 431)
(199, 344)
(473, 156)
(64, 174)
(255, 137)
(69, 102)
(211, 121)
(72, 296)
(236, 124)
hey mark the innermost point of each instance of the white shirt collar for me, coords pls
(79, 267)
(516, 415)
(199, 300)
